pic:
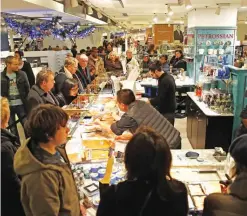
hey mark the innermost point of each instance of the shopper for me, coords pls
(130, 63)
(41, 92)
(113, 63)
(164, 63)
(95, 61)
(67, 72)
(109, 48)
(68, 93)
(165, 101)
(15, 87)
(145, 63)
(139, 113)
(235, 201)
(178, 60)
(26, 67)
(243, 126)
(74, 50)
(83, 71)
(48, 186)
(10, 183)
(82, 51)
(149, 188)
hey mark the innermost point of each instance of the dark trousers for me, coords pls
(170, 117)
(22, 116)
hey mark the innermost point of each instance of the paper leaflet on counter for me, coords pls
(116, 84)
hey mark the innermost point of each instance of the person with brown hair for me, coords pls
(95, 61)
(15, 87)
(41, 93)
(48, 186)
(11, 184)
(149, 188)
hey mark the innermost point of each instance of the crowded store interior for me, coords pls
(124, 108)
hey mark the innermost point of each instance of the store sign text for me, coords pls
(216, 36)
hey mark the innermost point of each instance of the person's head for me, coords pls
(109, 47)
(71, 65)
(70, 88)
(12, 63)
(148, 157)
(178, 27)
(112, 56)
(74, 47)
(178, 54)
(5, 112)
(82, 51)
(129, 54)
(238, 151)
(243, 116)
(101, 49)
(124, 98)
(19, 55)
(78, 56)
(88, 48)
(94, 52)
(146, 57)
(83, 60)
(163, 59)
(45, 80)
(155, 70)
(48, 124)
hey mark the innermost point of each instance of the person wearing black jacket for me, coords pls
(83, 72)
(10, 183)
(178, 61)
(234, 202)
(26, 67)
(68, 92)
(15, 87)
(165, 101)
(149, 189)
(67, 72)
(243, 126)
(74, 50)
(41, 93)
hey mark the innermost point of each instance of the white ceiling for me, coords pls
(141, 12)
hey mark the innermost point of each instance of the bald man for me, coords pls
(83, 72)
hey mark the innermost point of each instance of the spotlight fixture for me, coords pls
(155, 19)
(217, 12)
(89, 10)
(188, 4)
(99, 15)
(167, 19)
(169, 10)
(244, 4)
(109, 20)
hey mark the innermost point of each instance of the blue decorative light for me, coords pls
(47, 28)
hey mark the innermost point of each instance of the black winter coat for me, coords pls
(178, 63)
(128, 198)
(64, 100)
(232, 204)
(37, 96)
(10, 183)
(29, 72)
(22, 85)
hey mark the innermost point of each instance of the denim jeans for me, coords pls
(22, 116)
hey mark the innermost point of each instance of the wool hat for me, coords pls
(238, 150)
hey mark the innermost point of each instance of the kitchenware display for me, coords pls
(210, 51)
(215, 51)
(201, 51)
(221, 51)
(208, 43)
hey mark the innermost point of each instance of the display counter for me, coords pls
(205, 127)
(201, 175)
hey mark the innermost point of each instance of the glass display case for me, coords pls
(208, 49)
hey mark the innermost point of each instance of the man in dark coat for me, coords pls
(83, 71)
(41, 93)
(15, 87)
(178, 34)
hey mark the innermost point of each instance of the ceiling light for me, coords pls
(89, 10)
(170, 12)
(167, 18)
(155, 19)
(99, 15)
(244, 4)
(181, 22)
(217, 12)
(188, 4)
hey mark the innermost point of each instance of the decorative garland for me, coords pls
(48, 28)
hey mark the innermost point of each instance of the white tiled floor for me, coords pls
(180, 124)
